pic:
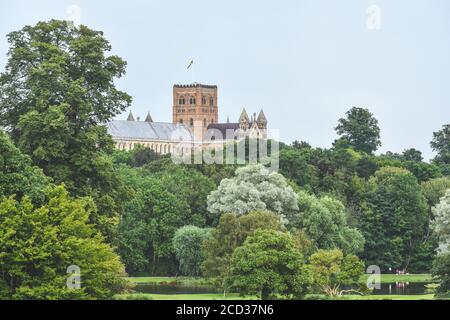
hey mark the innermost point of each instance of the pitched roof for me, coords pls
(261, 117)
(222, 128)
(125, 129)
(244, 116)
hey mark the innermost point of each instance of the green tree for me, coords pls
(331, 270)
(17, 174)
(441, 223)
(412, 155)
(441, 270)
(360, 130)
(229, 234)
(149, 223)
(441, 144)
(269, 263)
(57, 92)
(39, 243)
(324, 221)
(187, 244)
(193, 188)
(253, 188)
(393, 218)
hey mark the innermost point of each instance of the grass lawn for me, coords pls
(386, 278)
(391, 297)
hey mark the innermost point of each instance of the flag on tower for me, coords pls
(190, 64)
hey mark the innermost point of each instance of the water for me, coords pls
(402, 288)
(173, 289)
(394, 288)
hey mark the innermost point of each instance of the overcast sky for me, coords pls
(305, 62)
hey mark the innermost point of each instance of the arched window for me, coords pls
(192, 100)
(181, 100)
(181, 121)
(203, 100)
(211, 101)
(212, 120)
(204, 122)
(191, 122)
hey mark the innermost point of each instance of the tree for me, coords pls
(324, 221)
(17, 174)
(331, 270)
(39, 243)
(412, 155)
(187, 244)
(441, 223)
(229, 234)
(441, 144)
(253, 188)
(57, 92)
(269, 263)
(193, 188)
(392, 218)
(441, 270)
(360, 130)
(149, 223)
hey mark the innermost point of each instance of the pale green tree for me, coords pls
(254, 188)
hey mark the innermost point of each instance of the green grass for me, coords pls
(387, 278)
(390, 297)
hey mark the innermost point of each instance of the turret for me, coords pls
(244, 120)
(130, 117)
(148, 118)
(262, 120)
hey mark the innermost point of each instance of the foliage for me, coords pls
(253, 188)
(17, 174)
(441, 270)
(57, 93)
(331, 270)
(229, 234)
(269, 263)
(187, 244)
(393, 218)
(38, 244)
(359, 130)
(441, 223)
(149, 222)
(324, 221)
(441, 144)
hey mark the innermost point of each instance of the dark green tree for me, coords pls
(359, 130)
(269, 263)
(393, 219)
(441, 144)
(58, 91)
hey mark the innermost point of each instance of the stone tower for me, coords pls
(195, 105)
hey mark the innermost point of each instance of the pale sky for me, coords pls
(305, 62)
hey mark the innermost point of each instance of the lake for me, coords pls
(394, 288)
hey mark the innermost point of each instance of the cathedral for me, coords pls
(195, 115)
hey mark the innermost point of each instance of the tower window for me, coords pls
(181, 100)
(181, 121)
(192, 100)
(204, 122)
(203, 100)
(211, 101)
(191, 122)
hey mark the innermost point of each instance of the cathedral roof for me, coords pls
(142, 130)
(223, 127)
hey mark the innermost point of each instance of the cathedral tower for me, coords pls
(195, 105)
